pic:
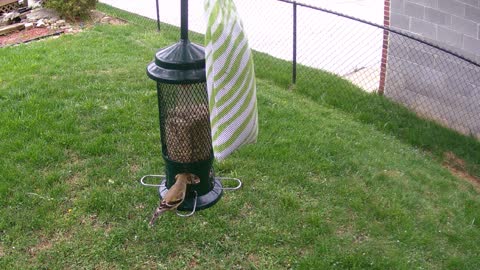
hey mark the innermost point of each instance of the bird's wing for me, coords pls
(174, 197)
(168, 205)
(165, 206)
(175, 194)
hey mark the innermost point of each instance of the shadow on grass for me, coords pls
(387, 116)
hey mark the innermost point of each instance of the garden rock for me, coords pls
(34, 3)
(96, 16)
(40, 23)
(10, 18)
(48, 21)
(28, 26)
(105, 19)
(43, 13)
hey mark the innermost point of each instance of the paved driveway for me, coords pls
(325, 41)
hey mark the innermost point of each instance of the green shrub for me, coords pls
(71, 9)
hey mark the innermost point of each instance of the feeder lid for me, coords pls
(180, 63)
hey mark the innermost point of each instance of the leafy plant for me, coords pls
(71, 9)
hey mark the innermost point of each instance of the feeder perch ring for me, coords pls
(194, 207)
(142, 180)
(229, 178)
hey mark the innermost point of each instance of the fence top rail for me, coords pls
(384, 28)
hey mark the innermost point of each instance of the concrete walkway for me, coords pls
(325, 41)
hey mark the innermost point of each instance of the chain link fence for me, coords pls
(435, 83)
(344, 58)
(142, 15)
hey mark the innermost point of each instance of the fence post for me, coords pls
(294, 60)
(386, 34)
(158, 16)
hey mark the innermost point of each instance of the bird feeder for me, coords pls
(179, 71)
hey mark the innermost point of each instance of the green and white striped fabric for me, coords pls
(230, 79)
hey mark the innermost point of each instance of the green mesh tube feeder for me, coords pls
(179, 71)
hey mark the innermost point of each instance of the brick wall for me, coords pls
(386, 34)
(436, 84)
(452, 23)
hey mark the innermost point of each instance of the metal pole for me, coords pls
(184, 27)
(158, 16)
(294, 67)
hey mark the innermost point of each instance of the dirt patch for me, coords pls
(253, 259)
(92, 221)
(134, 168)
(45, 244)
(26, 36)
(360, 238)
(97, 17)
(2, 252)
(74, 161)
(74, 179)
(342, 231)
(393, 173)
(457, 167)
(193, 263)
(73, 157)
(246, 210)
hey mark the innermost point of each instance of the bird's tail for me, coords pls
(156, 214)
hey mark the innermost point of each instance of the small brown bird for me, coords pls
(175, 195)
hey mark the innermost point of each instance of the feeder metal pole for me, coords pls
(294, 56)
(158, 16)
(184, 26)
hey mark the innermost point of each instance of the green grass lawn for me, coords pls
(328, 185)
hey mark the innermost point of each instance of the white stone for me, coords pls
(105, 19)
(41, 23)
(43, 13)
(34, 3)
(28, 26)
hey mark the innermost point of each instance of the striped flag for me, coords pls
(230, 79)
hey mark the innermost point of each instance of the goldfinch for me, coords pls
(175, 195)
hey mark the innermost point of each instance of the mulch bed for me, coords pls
(26, 36)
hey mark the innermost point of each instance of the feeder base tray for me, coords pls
(203, 202)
